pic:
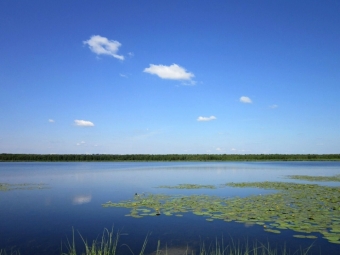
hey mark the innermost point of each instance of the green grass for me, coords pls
(246, 249)
(108, 245)
(3, 252)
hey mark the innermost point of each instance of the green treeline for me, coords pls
(169, 157)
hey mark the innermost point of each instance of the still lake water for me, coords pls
(40, 221)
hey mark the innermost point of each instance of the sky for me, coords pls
(170, 77)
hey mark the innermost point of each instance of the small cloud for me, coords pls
(245, 100)
(123, 75)
(51, 121)
(172, 72)
(218, 149)
(83, 123)
(103, 46)
(233, 149)
(200, 118)
(131, 54)
(273, 106)
(81, 143)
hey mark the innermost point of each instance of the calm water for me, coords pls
(39, 221)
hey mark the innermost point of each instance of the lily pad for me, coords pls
(188, 186)
(22, 186)
(304, 208)
(334, 178)
(273, 230)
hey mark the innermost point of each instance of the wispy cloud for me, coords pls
(140, 134)
(200, 118)
(237, 150)
(83, 123)
(273, 106)
(81, 143)
(51, 121)
(246, 100)
(123, 75)
(189, 83)
(172, 72)
(103, 46)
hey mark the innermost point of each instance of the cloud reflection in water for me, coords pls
(82, 199)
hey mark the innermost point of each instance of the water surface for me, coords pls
(37, 221)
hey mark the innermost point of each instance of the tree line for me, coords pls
(168, 157)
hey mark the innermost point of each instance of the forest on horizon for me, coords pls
(7, 157)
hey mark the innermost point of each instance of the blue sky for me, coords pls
(159, 77)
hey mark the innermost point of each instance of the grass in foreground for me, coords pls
(3, 252)
(108, 245)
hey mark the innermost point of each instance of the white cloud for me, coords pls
(81, 143)
(131, 54)
(173, 72)
(51, 121)
(245, 100)
(200, 118)
(273, 106)
(83, 123)
(102, 45)
(123, 75)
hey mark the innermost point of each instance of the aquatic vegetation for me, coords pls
(24, 186)
(303, 236)
(305, 208)
(334, 178)
(188, 186)
(3, 187)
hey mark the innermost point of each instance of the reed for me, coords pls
(245, 249)
(108, 243)
(3, 252)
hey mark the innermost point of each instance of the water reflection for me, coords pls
(82, 199)
(38, 214)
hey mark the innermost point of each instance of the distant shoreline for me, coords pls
(7, 157)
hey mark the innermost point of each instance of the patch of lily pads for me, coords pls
(188, 186)
(22, 186)
(303, 208)
(334, 178)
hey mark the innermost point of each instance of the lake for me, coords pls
(46, 201)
